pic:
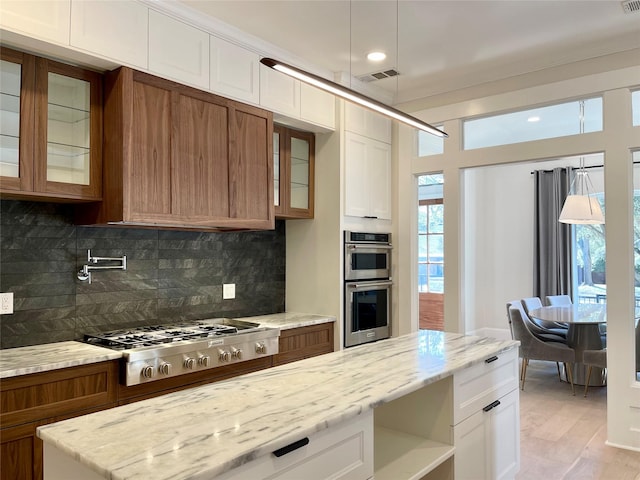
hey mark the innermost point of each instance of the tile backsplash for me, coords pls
(171, 275)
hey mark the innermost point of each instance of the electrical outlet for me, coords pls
(228, 291)
(6, 303)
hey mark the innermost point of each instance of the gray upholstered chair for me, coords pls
(541, 333)
(593, 358)
(556, 300)
(554, 328)
(532, 348)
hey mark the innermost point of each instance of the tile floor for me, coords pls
(562, 436)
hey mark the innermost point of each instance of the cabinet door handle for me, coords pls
(291, 447)
(491, 359)
(369, 216)
(491, 406)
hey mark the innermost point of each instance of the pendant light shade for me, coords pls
(581, 209)
(351, 95)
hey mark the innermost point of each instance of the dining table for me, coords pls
(584, 322)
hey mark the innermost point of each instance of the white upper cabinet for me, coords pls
(279, 92)
(367, 177)
(317, 106)
(367, 123)
(117, 30)
(235, 71)
(178, 51)
(46, 20)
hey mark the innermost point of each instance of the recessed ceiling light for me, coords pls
(534, 118)
(376, 56)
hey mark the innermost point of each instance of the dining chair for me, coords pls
(545, 337)
(532, 348)
(553, 328)
(556, 300)
(543, 334)
(593, 358)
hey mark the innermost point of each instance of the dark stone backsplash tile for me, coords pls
(171, 275)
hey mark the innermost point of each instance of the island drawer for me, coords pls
(343, 452)
(479, 385)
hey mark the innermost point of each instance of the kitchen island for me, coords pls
(434, 381)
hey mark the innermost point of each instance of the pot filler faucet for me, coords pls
(85, 272)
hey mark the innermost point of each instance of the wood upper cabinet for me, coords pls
(51, 130)
(180, 157)
(294, 170)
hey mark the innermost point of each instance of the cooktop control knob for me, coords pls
(223, 355)
(164, 368)
(261, 348)
(204, 360)
(147, 371)
(189, 363)
(236, 353)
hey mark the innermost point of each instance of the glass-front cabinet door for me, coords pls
(16, 120)
(68, 131)
(293, 162)
(50, 129)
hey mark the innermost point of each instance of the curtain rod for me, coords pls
(578, 168)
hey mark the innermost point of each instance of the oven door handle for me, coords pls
(369, 246)
(371, 284)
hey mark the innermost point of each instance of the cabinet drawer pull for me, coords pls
(491, 406)
(491, 359)
(291, 447)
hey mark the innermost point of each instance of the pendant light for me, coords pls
(351, 95)
(580, 208)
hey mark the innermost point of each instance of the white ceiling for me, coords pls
(442, 45)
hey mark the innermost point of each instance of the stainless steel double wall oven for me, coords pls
(367, 287)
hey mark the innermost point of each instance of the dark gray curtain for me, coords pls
(552, 246)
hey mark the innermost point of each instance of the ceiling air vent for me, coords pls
(372, 77)
(631, 6)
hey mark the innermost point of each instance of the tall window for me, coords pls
(590, 261)
(430, 234)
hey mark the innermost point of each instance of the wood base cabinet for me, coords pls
(179, 157)
(29, 401)
(304, 342)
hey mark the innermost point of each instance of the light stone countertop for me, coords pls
(287, 320)
(202, 432)
(52, 356)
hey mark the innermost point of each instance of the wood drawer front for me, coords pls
(342, 452)
(304, 342)
(27, 398)
(476, 387)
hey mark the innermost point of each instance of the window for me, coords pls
(635, 108)
(560, 120)
(430, 144)
(590, 261)
(430, 234)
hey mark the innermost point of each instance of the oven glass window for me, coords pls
(368, 261)
(369, 309)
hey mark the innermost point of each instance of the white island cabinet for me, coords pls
(428, 405)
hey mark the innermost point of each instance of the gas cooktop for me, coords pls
(159, 334)
(160, 351)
